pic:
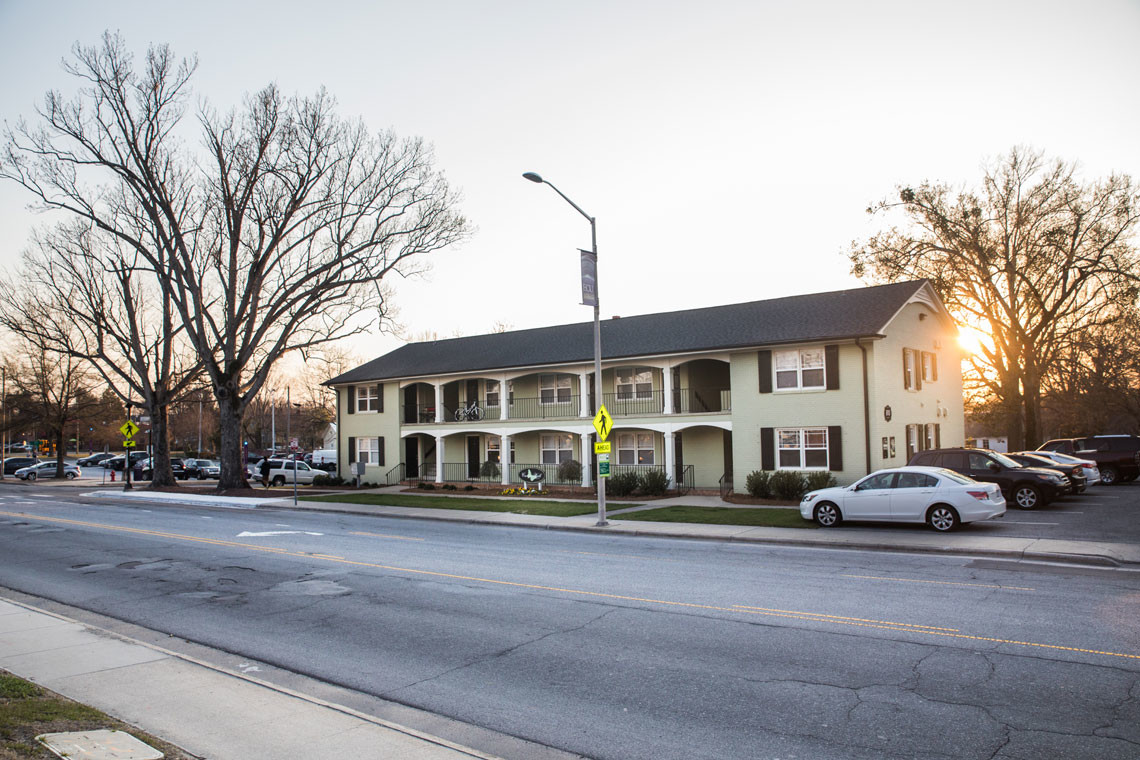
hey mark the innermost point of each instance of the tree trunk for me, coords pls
(229, 426)
(60, 450)
(161, 474)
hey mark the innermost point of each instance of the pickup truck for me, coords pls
(1117, 456)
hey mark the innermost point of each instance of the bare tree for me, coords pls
(1032, 258)
(273, 239)
(83, 293)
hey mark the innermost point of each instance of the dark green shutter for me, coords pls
(380, 395)
(352, 399)
(380, 455)
(831, 366)
(764, 358)
(351, 449)
(834, 448)
(767, 448)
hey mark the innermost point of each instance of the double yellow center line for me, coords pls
(737, 608)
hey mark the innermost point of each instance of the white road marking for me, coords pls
(1023, 522)
(246, 533)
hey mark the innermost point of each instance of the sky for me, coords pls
(728, 150)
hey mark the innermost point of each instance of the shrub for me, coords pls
(758, 484)
(787, 485)
(426, 486)
(489, 469)
(449, 487)
(625, 483)
(468, 487)
(570, 471)
(817, 480)
(654, 482)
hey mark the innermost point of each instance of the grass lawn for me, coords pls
(524, 505)
(767, 518)
(27, 710)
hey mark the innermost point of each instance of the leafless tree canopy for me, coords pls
(274, 236)
(1034, 258)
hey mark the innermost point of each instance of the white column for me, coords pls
(584, 392)
(505, 454)
(670, 457)
(438, 401)
(586, 468)
(667, 384)
(439, 459)
(504, 402)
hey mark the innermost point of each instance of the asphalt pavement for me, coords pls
(225, 713)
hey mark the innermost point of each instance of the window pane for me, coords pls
(815, 458)
(787, 360)
(813, 357)
(564, 455)
(645, 456)
(549, 456)
(643, 376)
(625, 456)
(816, 438)
(563, 381)
(625, 440)
(787, 380)
(789, 439)
(645, 440)
(790, 458)
(813, 378)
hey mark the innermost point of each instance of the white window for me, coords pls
(634, 382)
(910, 379)
(929, 367)
(368, 450)
(912, 445)
(492, 393)
(635, 448)
(553, 389)
(799, 369)
(557, 448)
(494, 449)
(933, 437)
(802, 448)
(368, 398)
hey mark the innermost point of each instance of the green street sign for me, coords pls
(603, 465)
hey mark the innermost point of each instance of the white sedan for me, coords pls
(941, 498)
(1088, 467)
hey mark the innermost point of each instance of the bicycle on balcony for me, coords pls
(471, 413)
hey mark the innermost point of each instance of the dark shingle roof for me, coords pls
(842, 314)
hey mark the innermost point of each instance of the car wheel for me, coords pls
(1109, 476)
(827, 515)
(279, 480)
(31, 476)
(71, 476)
(942, 518)
(1026, 497)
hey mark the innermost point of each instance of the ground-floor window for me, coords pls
(368, 451)
(802, 448)
(557, 448)
(635, 448)
(495, 449)
(933, 436)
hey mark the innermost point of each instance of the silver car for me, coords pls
(47, 470)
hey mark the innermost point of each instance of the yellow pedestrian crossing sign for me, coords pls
(603, 422)
(128, 429)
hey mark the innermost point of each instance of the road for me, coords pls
(621, 647)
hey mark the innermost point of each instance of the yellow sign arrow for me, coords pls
(603, 423)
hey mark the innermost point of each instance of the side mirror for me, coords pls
(994, 466)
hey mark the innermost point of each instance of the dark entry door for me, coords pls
(473, 456)
(411, 407)
(412, 457)
(472, 391)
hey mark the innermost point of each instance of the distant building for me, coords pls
(847, 381)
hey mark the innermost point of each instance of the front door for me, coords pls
(411, 405)
(412, 457)
(473, 451)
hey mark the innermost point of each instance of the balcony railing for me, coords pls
(623, 404)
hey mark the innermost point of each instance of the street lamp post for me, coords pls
(601, 482)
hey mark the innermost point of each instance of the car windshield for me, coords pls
(951, 475)
(1005, 461)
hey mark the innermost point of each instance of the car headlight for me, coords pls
(1051, 478)
(807, 497)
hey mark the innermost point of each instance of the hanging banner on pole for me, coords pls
(589, 278)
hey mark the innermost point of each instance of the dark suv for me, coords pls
(1026, 487)
(1117, 456)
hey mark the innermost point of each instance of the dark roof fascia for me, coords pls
(612, 359)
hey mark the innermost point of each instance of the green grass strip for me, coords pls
(524, 505)
(766, 518)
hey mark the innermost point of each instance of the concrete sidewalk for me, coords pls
(206, 710)
(1102, 553)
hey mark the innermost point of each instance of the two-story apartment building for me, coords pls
(848, 381)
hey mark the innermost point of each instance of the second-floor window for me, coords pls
(799, 369)
(910, 369)
(492, 393)
(929, 367)
(634, 382)
(368, 398)
(553, 389)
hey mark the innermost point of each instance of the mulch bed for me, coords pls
(735, 498)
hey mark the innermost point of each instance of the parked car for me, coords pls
(1088, 466)
(941, 498)
(144, 469)
(11, 464)
(324, 459)
(116, 462)
(1025, 487)
(282, 472)
(212, 469)
(47, 470)
(94, 459)
(1117, 456)
(1075, 473)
